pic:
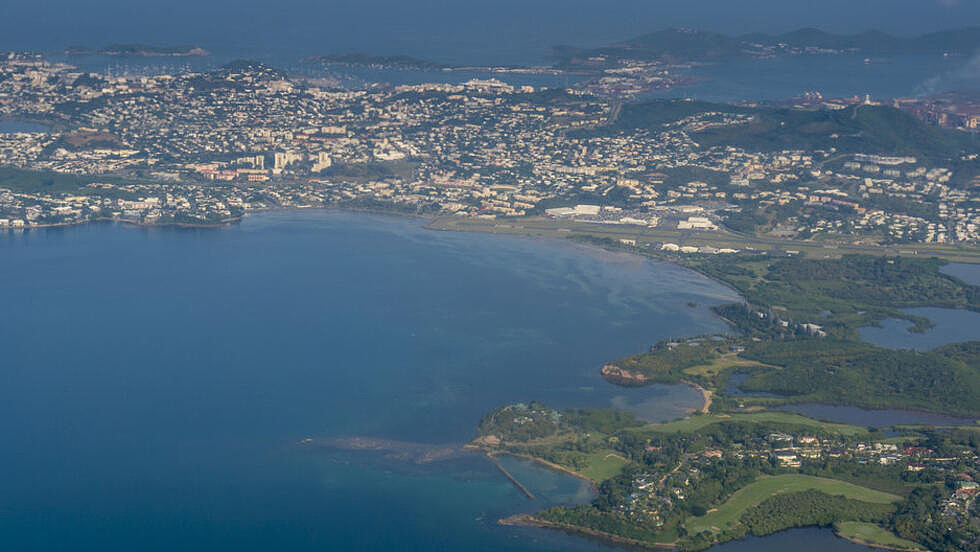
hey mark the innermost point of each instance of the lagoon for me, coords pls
(949, 326)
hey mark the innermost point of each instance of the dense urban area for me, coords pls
(205, 148)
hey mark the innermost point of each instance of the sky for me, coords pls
(482, 31)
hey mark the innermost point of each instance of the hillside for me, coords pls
(856, 129)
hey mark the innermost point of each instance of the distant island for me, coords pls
(138, 50)
(676, 45)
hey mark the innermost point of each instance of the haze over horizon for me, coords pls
(500, 32)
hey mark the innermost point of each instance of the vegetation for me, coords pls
(872, 534)
(519, 422)
(856, 129)
(20, 180)
(800, 335)
(916, 520)
(712, 478)
(841, 295)
(787, 420)
(656, 113)
(808, 508)
(602, 465)
(666, 362)
(596, 520)
(844, 372)
(746, 501)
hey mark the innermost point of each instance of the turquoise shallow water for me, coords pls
(155, 382)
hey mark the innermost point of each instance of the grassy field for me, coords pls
(695, 423)
(603, 465)
(723, 362)
(869, 533)
(755, 493)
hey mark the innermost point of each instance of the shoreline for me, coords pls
(541, 462)
(529, 520)
(705, 393)
(221, 224)
(856, 540)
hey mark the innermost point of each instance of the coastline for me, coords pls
(856, 540)
(541, 462)
(529, 520)
(705, 393)
(224, 222)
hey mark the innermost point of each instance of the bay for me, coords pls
(969, 273)
(156, 382)
(949, 326)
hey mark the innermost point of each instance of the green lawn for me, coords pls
(755, 493)
(603, 465)
(722, 363)
(695, 423)
(871, 534)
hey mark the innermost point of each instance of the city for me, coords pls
(202, 149)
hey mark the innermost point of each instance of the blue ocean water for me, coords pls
(949, 326)
(969, 273)
(156, 382)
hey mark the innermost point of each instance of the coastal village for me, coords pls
(206, 148)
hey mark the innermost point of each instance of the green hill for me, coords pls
(856, 129)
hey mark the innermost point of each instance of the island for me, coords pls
(138, 50)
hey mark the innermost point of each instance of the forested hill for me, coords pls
(856, 129)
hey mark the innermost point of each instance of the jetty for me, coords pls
(511, 478)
